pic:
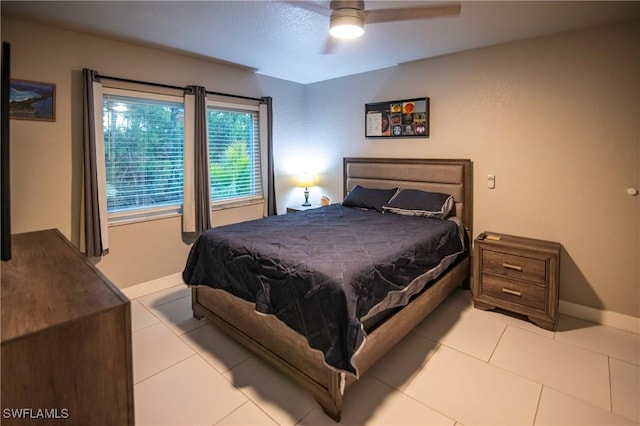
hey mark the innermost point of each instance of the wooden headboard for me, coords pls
(453, 177)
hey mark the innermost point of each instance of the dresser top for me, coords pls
(48, 282)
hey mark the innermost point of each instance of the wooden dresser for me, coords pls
(519, 275)
(66, 338)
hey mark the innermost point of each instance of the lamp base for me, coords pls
(306, 198)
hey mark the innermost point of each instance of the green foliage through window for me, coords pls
(144, 152)
(234, 154)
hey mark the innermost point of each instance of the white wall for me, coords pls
(554, 118)
(290, 135)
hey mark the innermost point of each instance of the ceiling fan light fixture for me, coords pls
(346, 24)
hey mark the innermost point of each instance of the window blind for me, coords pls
(144, 152)
(234, 154)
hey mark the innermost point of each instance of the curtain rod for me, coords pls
(168, 86)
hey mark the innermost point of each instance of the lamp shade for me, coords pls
(305, 180)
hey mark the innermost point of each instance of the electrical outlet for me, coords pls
(491, 181)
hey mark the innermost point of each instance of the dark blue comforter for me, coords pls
(322, 271)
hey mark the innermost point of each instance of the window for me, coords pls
(144, 152)
(234, 153)
(145, 142)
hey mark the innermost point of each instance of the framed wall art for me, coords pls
(397, 119)
(32, 100)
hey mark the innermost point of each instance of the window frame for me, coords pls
(258, 197)
(143, 91)
(150, 213)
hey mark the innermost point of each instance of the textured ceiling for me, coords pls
(286, 40)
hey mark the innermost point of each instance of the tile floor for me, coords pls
(460, 366)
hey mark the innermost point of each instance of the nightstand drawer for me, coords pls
(513, 266)
(525, 294)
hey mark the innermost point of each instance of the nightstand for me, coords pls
(517, 274)
(301, 208)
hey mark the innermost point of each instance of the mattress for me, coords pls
(324, 271)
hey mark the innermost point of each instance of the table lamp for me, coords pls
(305, 180)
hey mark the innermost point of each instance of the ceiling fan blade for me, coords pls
(311, 6)
(408, 13)
(329, 46)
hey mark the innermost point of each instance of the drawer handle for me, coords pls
(513, 292)
(510, 266)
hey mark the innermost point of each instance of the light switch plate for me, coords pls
(491, 181)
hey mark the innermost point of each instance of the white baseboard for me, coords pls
(613, 319)
(152, 286)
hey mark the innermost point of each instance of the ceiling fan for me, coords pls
(348, 17)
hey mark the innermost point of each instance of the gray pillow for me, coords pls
(368, 198)
(414, 202)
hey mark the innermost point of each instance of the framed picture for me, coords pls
(31, 100)
(407, 118)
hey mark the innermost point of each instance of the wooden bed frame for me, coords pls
(289, 351)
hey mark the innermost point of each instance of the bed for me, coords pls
(270, 292)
